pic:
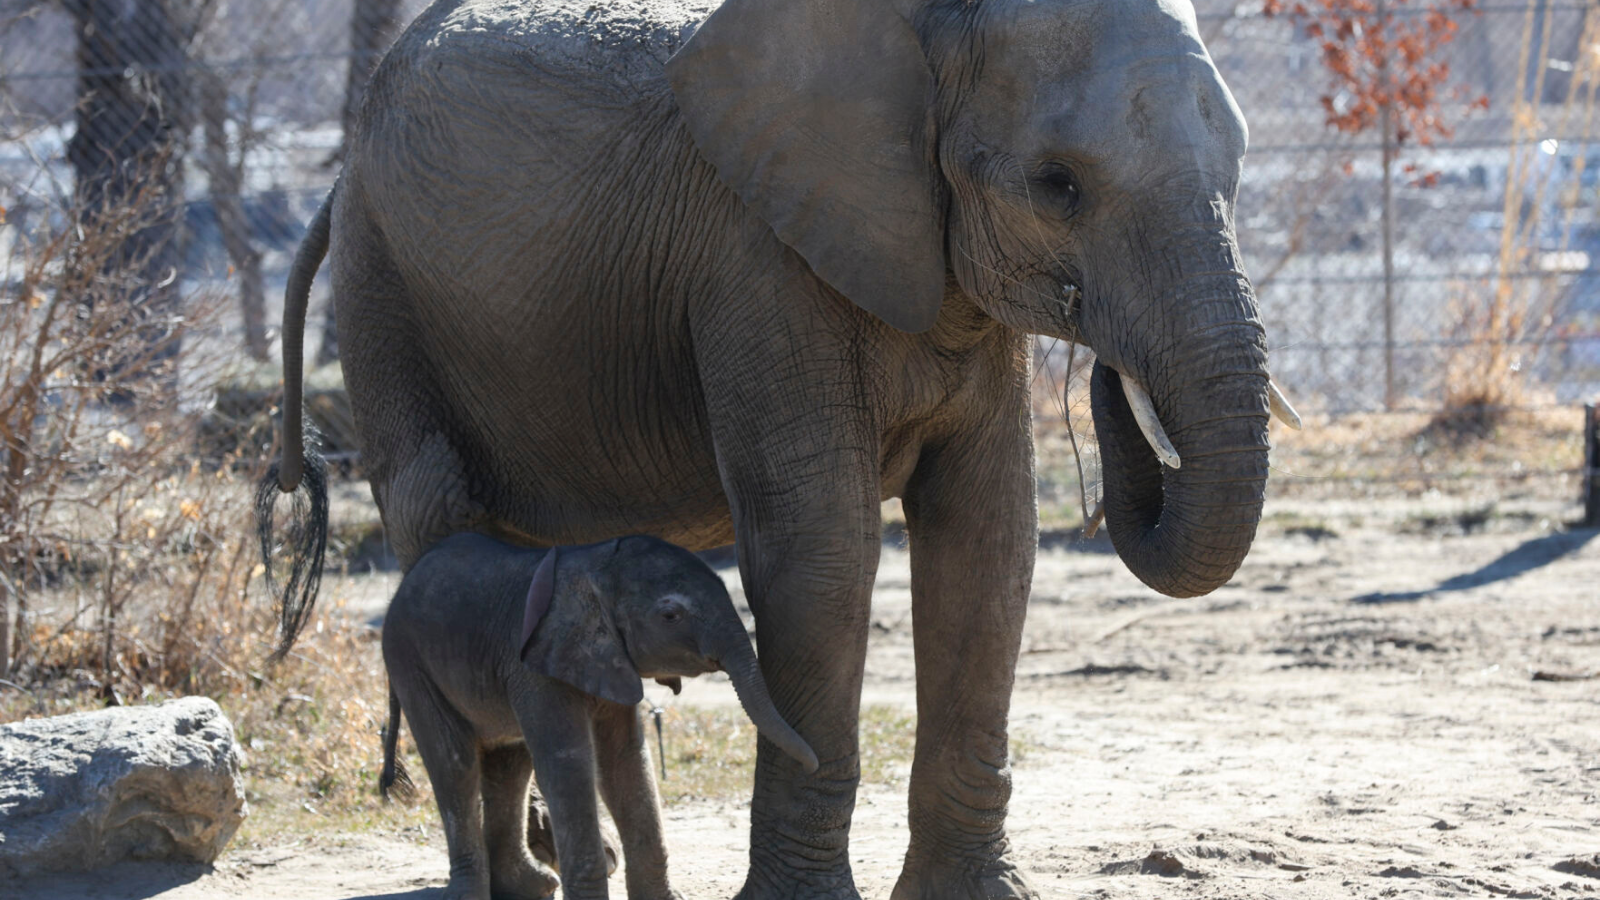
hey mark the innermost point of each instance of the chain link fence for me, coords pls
(1488, 292)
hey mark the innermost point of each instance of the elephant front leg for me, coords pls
(629, 789)
(808, 573)
(559, 735)
(973, 526)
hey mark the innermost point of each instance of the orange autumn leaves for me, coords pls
(1384, 56)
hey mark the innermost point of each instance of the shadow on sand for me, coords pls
(143, 881)
(123, 881)
(1530, 554)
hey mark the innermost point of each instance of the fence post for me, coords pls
(1386, 126)
(1591, 465)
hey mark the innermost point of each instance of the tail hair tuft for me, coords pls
(306, 540)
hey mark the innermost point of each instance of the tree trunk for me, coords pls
(5, 630)
(227, 178)
(128, 147)
(372, 28)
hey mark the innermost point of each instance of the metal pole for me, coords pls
(661, 744)
(1591, 465)
(1386, 124)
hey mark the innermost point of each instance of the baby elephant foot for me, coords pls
(542, 838)
(957, 879)
(523, 879)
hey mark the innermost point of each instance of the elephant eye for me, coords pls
(670, 610)
(1057, 182)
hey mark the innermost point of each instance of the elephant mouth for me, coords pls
(1142, 408)
(1069, 307)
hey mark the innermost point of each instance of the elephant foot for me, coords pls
(462, 887)
(966, 879)
(808, 889)
(808, 881)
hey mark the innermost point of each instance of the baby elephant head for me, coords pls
(601, 616)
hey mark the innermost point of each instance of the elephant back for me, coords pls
(599, 34)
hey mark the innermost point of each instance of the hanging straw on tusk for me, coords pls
(1282, 410)
(1144, 412)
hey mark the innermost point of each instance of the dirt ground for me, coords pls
(1389, 704)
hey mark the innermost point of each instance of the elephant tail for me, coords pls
(394, 777)
(295, 299)
(302, 465)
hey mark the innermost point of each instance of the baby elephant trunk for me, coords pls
(739, 661)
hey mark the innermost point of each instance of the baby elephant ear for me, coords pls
(568, 634)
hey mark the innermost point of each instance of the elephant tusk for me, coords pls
(1144, 412)
(1282, 410)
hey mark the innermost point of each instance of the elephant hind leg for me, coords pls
(426, 499)
(450, 753)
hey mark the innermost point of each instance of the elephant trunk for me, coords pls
(1185, 530)
(732, 650)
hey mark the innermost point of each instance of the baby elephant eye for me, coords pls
(670, 610)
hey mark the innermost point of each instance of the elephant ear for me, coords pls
(818, 113)
(568, 634)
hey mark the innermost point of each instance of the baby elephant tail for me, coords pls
(394, 777)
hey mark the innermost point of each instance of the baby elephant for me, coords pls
(510, 661)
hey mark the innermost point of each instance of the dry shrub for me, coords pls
(128, 560)
(1483, 362)
(102, 499)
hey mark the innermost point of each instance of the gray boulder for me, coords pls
(140, 782)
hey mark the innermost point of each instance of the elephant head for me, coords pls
(602, 616)
(1069, 165)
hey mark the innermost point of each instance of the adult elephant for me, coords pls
(609, 268)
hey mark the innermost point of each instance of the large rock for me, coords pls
(140, 782)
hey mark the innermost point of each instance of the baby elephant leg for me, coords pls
(560, 739)
(629, 788)
(450, 754)
(513, 872)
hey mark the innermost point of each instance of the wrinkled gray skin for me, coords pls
(487, 711)
(598, 272)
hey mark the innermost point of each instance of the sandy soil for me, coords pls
(1364, 712)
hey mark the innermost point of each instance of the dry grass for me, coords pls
(1527, 452)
